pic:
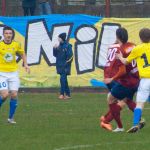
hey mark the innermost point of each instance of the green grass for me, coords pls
(46, 123)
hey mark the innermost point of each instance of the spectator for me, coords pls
(44, 7)
(29, 7)
(64, 56)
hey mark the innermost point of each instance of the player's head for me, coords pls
(121, 35)
(8, 33)
(145, 35)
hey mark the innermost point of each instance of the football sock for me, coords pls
(13, 106)
(1, 101)
(137, 116)
(115, 110)
(108, 117)
(131, 104)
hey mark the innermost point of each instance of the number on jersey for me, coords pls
(145, 61)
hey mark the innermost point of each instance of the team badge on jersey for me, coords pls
(8, 57)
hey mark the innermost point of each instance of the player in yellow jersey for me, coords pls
(141, 54)
(9, 79)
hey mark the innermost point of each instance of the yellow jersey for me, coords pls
(8, 56)
(141, 54)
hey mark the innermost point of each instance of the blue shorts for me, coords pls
(120, 92)
(111, 85)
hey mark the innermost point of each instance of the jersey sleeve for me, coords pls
(20, 51)
(133, 55)
(121, 72)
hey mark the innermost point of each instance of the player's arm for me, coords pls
(21, 52)
(133, 55)
(121, 58)
(24, 58)
(120, 73)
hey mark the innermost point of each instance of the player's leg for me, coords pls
(142, 96)
(118, 92)
(108, 116)
(3, 89)
(106, 119)
(3, 96)
(131, 104)
(13, 105)
(115, 110)
(13, 84)
(129, 101)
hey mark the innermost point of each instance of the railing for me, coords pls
(98, 2)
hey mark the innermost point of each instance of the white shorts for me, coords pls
(143, 92)
(9, 81)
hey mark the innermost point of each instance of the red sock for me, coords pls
(108, 117)
(115, 110)
(131, 104)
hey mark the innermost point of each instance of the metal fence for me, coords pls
(117, 8)
(99, 2)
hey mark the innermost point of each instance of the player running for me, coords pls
(9, 79)
(141, 54)
(121, 81)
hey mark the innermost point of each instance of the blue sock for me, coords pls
(1, 101)
(137, 116)
(13, 106)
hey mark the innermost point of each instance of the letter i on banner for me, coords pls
(107, 37)
(85, 48)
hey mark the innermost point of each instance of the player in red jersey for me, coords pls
(122, 81)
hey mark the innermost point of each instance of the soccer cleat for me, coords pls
(133, 129)
(118, 130)
(142, 123)
(106, 126)
(11, 121)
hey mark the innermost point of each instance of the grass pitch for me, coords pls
(46, 123)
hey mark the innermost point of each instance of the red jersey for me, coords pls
(112, 64)
(131, 78)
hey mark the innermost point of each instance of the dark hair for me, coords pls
(62, 36)
(144, 35)
(122, 35)
(9, 28)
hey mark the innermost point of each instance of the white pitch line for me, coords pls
(94, 145)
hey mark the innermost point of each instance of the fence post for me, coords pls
(107, 8)
(3, 8)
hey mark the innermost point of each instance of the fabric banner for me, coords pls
(90, 37)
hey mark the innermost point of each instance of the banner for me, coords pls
(90, 37)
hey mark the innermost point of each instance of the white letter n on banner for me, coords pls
(39, 42)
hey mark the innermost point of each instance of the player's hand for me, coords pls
(118, 55)
(27, 68)
(108, 80)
